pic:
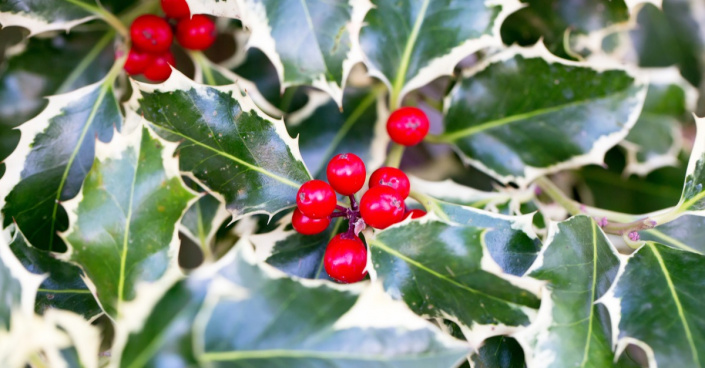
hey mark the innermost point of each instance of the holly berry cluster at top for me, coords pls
(152, 37)
(381, 206)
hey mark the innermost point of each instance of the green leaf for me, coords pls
(63, 287)
(226, 143)
(123, 226)
(409, 43)
(656, 139)
(54, 154)
(499, 352)
(686, 232)
(525, 113)
(579, 265)
(693, 196)
(240, 313)
(202, 220)
(510, 240)
(324, 131)
(438, 270)
(658, 303)
(18, 287)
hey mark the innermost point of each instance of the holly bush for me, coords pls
(553, 216)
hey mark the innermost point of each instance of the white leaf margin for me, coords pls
(600, 147)
(37, 25)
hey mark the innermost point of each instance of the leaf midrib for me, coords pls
(665, 237)
(677, 301)
(126, 233)
(592, 296)
(400, 78)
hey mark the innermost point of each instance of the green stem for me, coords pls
(395, 154)
(105, 15)
(205, 65)
(147, 7)
(86, 62)
(430, 204)
(557, 195)
(432, 138)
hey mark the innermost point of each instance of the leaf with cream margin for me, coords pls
(244, 157)
(55, 153)
(579, 265)
(656, 139)
(657, 305)
(324, 130)
(693, 196)
(510, 240)
(443, 270)
(525, 113)
(409, 43)
(124, 222)
(686, 232)
(238, 312)
(17, 286)
(63, 287)
(310, 42)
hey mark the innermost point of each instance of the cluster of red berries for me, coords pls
(381, 206)
(152, 37)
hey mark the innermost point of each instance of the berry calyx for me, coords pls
(307, 225)
(137, 61)
(393, 178)
(175, 8)
(151, 34)
(316, 199)
(407, 126)
(415, 213)
(196, 33)
(346, 173)
(381, 207)
(345, 258)
(160, 68)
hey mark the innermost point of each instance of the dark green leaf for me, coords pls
(227, 143)
(686, 232)
(523, 114)
(659, 302)
(693, 197)
(499, 352)
(579, 265)
(437, 269)
(63, 287)
(409, 43)
(52, 159)
(123, 229)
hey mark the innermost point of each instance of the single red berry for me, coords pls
(415, 213)
(196, 33)
(316, 199)
(137, 61)
(393, 178)
(306, 225)
(407, 126)
(345, 258)
(151, 34)
(381, 207)
(175, 8)
(346, 173)
(160, 69)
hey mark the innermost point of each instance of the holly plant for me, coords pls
(352, 183)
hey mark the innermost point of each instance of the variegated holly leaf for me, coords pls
(657, 303)
(40, 16)
(409, 43)
(510, 240)
(18, 287)
(693, 196)
(686, 232)
(63, 287)
(226, 142)
(525, 113)
(579, 265)
(54, 154)
(440, 270)
(499, 352)
(241, 313)
(656, 139)
(123, 225)
(324, 131)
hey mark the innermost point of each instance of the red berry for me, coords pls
(316, 199)
(416, 213)
(137, 61)
(346, 173)
(175, 8)
(381, 207)
(407, 126)
(196, 33)
(306, 225)
(393, 178)
(151, 33)
(160, 69)
(345, 258)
